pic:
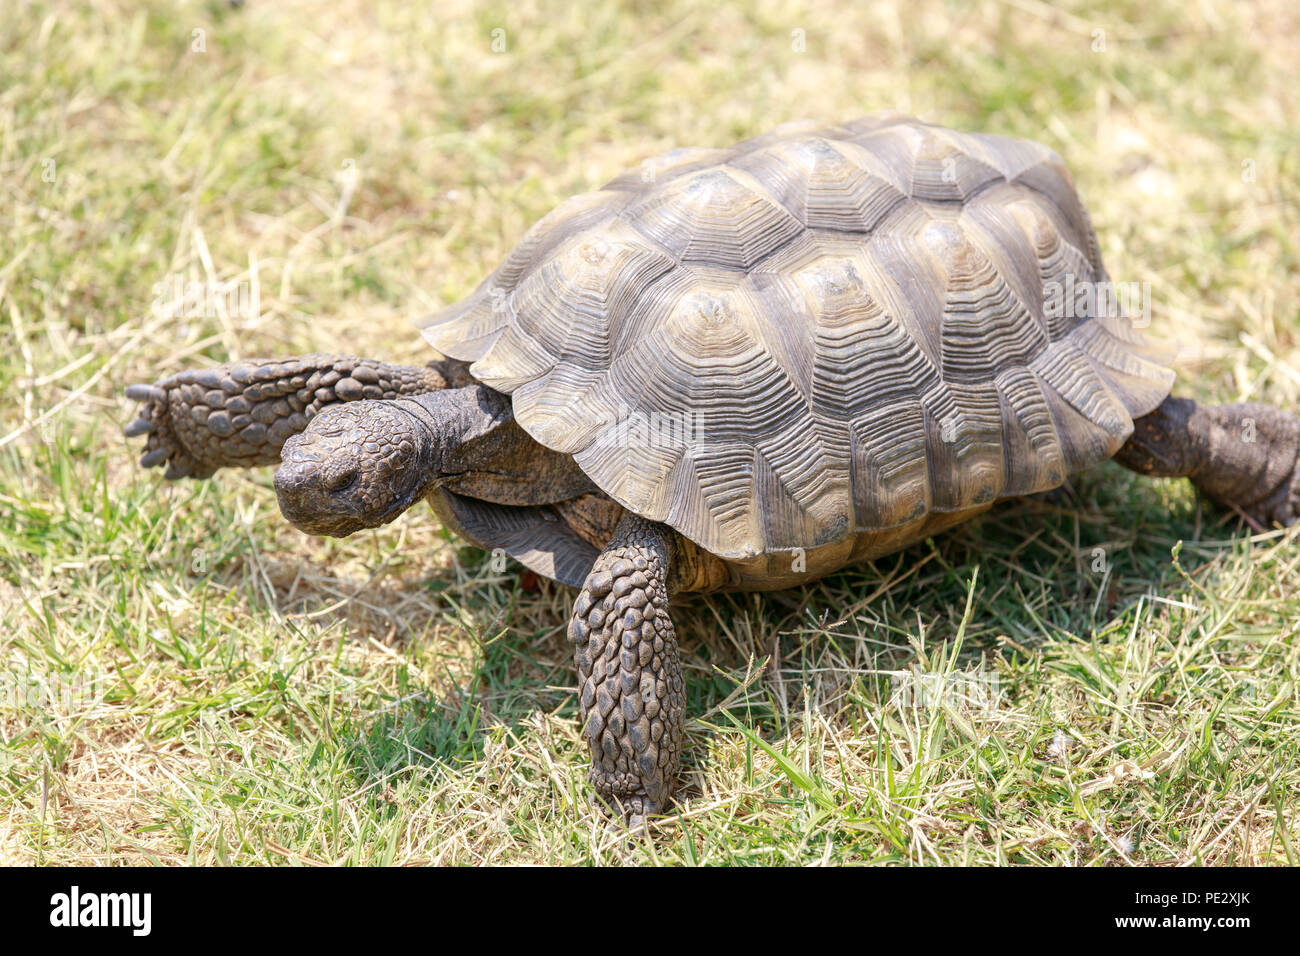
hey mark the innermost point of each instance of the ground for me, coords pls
(1103, 675)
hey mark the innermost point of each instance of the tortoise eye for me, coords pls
(342, 481)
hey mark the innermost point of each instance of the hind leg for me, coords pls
(1243, 456)
(241, 414)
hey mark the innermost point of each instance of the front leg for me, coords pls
(240, 414)
(631, 696)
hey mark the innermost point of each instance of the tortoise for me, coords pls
(738, 369)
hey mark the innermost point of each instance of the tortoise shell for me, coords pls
(830, 339)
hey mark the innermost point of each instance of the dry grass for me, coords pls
(388, 698)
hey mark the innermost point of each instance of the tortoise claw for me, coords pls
(637, 812)
(633, 813)
(145, 393)
(1282, 507)
(162, 446)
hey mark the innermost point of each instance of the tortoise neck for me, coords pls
(477, 449)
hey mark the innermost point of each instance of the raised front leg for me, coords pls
(1243, 456)
(240, 414)
(631, 696)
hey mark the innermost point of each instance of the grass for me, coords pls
(215, 688)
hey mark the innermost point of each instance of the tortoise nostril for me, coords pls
(291, 475)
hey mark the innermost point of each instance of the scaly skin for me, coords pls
(240, 414)
(631, 695)
(1243, 456)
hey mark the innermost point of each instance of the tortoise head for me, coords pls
(356, 465)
